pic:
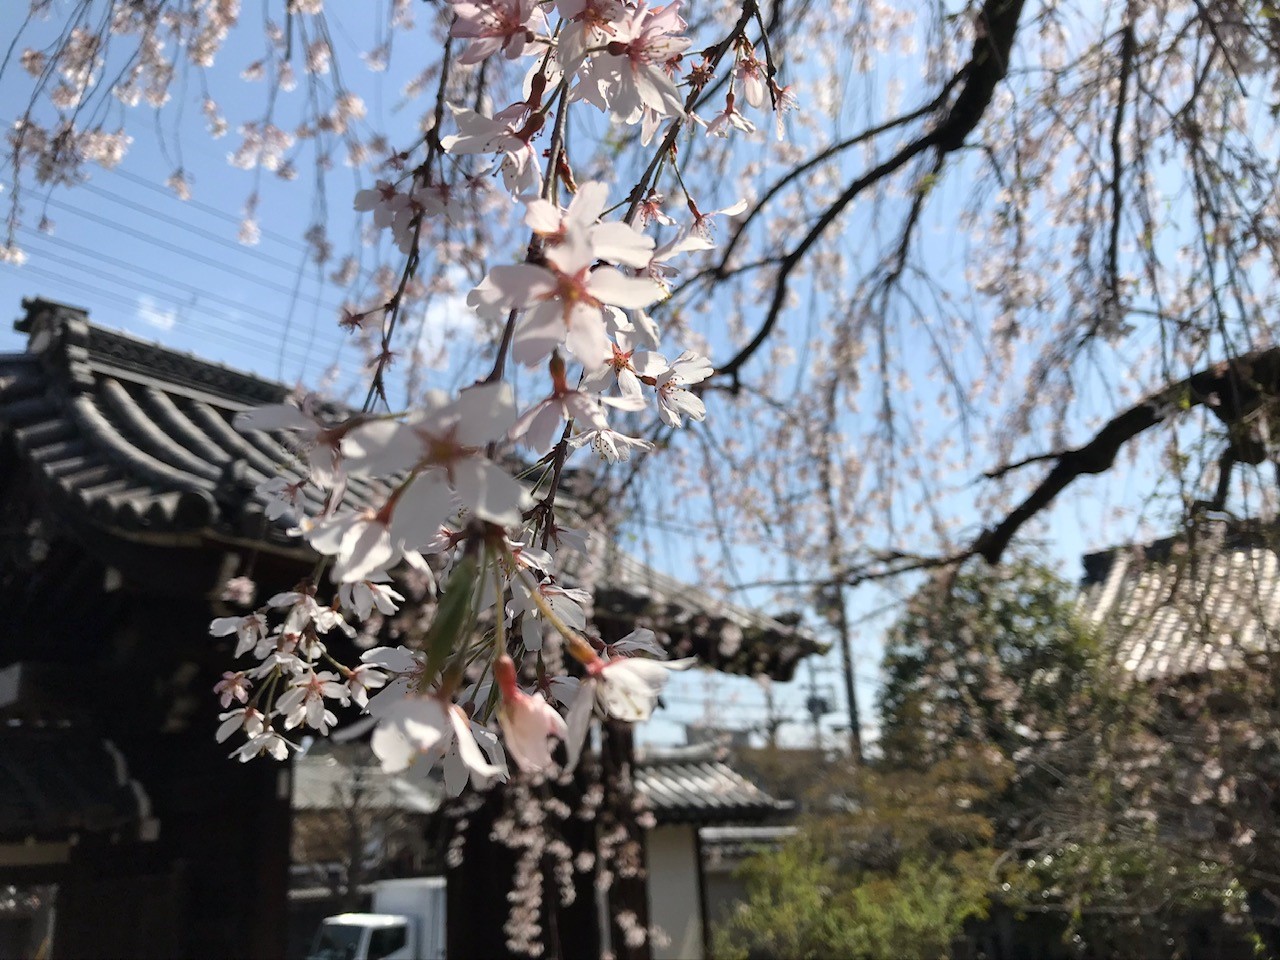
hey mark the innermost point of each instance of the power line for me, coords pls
(186, 227)
(266, 345)
(205, 208)
(188, 320)
(193, 255)
(200, 231)
(191, 290)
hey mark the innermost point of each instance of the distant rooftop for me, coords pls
(695, 785)
(1183, 605)
(337, 780)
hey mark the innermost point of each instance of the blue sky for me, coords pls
(143, 261)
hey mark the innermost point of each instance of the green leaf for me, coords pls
(452, 614)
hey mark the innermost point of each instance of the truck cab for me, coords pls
(408, 923)
(365, 936)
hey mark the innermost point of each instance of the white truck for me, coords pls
(407, 923)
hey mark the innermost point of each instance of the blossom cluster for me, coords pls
(435, 489)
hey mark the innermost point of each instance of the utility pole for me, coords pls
(818, 703)
(772, 719)
(838, 613)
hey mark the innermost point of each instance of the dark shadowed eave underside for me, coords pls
(59, 782)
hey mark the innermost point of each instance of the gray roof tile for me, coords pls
(1181, 606)
(691, 785)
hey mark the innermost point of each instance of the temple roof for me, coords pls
(137, 439)
(1184, 605)
(695, 785)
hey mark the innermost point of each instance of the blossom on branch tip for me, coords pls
(428, 725)
(625, 688)
(250, 631)
(478, 134)
(627, 365)
(538, 425)
(383, 200)
(613, 241)
(320, 442)
(304, 701)
(444, 446)
(565, 602)
(529, 723)
(364, 596)
(403, 668)
(612, 446)
(637, 641)
(246, 718)
(361, 680)
(563, 302)
(268, 742)
(232, 686)
(634, 72)
(674, 400)
(493, 25)
(587, 24)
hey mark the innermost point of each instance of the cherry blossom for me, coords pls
(728, 120)
(702, 222)
(364, 596)
(304, 701)
(362, 679)
(283, 495)
(239, 590)
(588, 24)
(250, 630)
(563, 302)
(494, 25)
(614, 241)
(232, 686)
(637, 641)
(480, 134)
(628, 688)
(612, 446)
(539, 423)
(627, 365)
(244, 718)
(384, 200)
(404, 667)
(753, 76)
(529, 723)
(268, 742)
(625, 688)
(417, 725)
(634, 73)
(321, 443)
(565, 602)
(674, 399)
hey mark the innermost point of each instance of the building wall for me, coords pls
(675, 900)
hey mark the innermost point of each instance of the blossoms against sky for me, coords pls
(434, 489)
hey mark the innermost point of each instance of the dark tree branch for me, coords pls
(1117, 165)
(1233, 391)
(988, 64)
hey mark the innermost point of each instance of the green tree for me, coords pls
(1095, 824)
(983, 658)
(894, 867)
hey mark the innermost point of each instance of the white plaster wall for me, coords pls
(675, 906)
